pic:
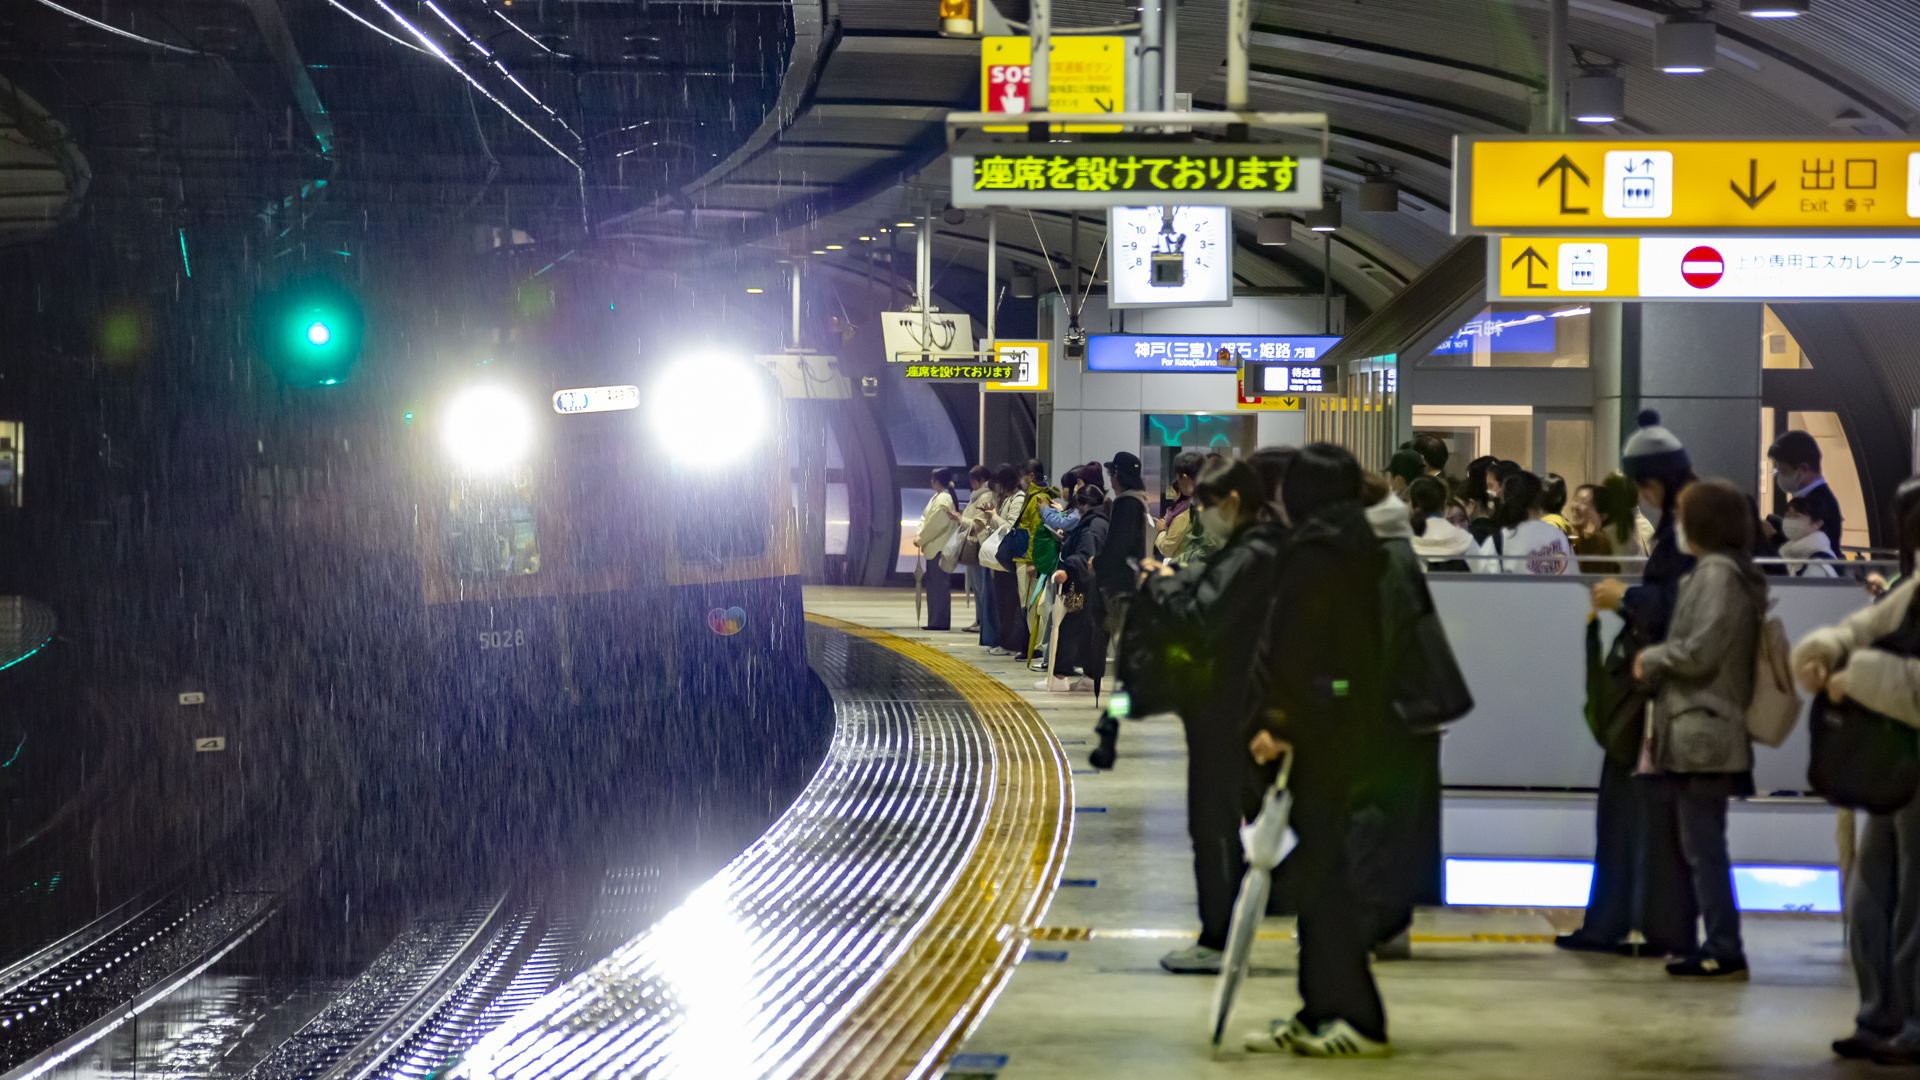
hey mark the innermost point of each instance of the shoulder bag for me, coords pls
(1861, 759)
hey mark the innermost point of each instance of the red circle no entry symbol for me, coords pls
(1702, 267)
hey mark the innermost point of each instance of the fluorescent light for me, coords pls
(904, 224)
(1775, 9)
(756, 290)
(834, 247)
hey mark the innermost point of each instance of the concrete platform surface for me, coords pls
(1485, 996)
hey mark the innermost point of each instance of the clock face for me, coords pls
(1203, 237)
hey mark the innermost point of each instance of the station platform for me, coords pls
(1485, 995)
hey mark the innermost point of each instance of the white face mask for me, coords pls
(1215, 522)
(1651, 509)
(1796, 528)
(1680, 538)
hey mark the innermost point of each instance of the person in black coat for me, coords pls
(1083, 636)
(1640, 877)
(1324, 700)
(1116, 572)
(1796, 472)
(1221, 604)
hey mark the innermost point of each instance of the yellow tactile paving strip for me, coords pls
(869, 929)
(934, 994)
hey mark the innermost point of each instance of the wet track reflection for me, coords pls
(869, 927)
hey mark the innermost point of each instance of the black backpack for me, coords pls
(1861, 759)
(1161, 668)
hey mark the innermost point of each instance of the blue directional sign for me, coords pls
(1199, 353)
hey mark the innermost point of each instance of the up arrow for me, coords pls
(1532, 257)
(1753, 194)
(1564, 166)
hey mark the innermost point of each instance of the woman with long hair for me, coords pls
(1521, 541)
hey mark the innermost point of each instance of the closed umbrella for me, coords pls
(1265, 840)
(919, 568)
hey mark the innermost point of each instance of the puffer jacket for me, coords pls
(1882, 681)
(1703, 672)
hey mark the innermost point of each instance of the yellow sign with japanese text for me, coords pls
(1653, 185)
(1084, 75)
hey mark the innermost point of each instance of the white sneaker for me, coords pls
(998, 651)
(1081, 684)
(1055, 685)
(1337, 1039)
(1277, 1038)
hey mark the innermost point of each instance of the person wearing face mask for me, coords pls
(1796, 471)
(1804, 544)
(1221, 606)
(1696, 748)
(1641, 881)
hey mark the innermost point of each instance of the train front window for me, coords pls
(490, 528)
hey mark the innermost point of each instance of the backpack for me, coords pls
(1774, 708)
(1161, 668)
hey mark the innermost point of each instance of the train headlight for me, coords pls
(710, 411)
(487, 429)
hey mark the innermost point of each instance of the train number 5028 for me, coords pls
(503, 639)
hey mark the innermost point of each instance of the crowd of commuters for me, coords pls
(1341, 682)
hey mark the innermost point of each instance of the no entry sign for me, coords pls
(1702, 267)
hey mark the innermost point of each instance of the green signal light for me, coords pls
(310, 332)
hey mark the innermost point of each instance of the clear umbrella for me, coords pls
(1265, 840)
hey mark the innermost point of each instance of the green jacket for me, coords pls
(1043, 551)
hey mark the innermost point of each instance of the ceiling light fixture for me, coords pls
(1379, 195)
(903, 224)
(1775, 9)
(1327, 218)
(834, 247)
(1597, 97)
(1273, 231)
(1685, 47)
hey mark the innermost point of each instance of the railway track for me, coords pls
(66, 996)
(432, 993)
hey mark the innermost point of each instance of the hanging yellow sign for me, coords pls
(1084, 75)
(1649, 185)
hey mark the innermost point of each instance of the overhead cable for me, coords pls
(111, 29)
(434, 48)
(356, 17)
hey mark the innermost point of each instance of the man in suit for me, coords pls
(1796, 473)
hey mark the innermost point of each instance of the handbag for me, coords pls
(1012, 546)
(1429, 690)
(950, 554)
(1775, 706)
(970, 552)
(1861, 759)
(990, 549)
(1616, 702)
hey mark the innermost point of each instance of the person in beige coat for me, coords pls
(1883, 889)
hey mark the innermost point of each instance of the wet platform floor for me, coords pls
(1485, 995)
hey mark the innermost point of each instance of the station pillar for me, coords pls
(1698, 365)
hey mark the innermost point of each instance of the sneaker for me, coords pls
(1278, 1038)
(1054, 685)
(1706, 967)
(997, 651)
(1192, 960)
(1080, 684)
(1337, 1039)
